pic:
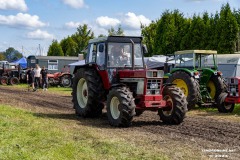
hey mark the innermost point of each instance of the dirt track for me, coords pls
(201, 132)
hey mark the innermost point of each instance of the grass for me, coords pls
(23, 135)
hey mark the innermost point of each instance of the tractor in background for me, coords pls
(123, 84)
(9, 74)
(201, 82)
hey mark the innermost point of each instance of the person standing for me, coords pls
(30, 77)
(44, 78)
(37, 75)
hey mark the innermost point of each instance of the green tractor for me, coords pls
(195, 72)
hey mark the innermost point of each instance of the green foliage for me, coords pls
(55, 49)
(12, 55)
(2, 57)
(69, 47)
(173, 32)
(149, 32)
(228, 29)
(81, 37)
(118, 32)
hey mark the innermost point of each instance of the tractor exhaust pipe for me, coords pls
(133, 53)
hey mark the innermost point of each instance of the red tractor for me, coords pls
(59, 78)
(121, 82)
(228, 100)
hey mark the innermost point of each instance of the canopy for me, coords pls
(22, 62)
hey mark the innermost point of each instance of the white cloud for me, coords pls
(75, 3)
(39, 34)
(13, 4)
(21, 20)
(134, 21)
(72, 24)
(105, 21)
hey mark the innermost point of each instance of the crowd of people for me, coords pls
(37, 77)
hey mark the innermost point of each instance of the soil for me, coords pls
(214, 137)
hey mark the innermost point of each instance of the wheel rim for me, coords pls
(228, 106)
(82, 93)
(66, 81)
(169, 109)
(4, 81)
(211, 89)
(114, 104)
(182, 85)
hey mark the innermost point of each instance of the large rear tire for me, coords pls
(188, 85)
(4, 80)
(87, 93)
(176, 108)
(216, 86)
(66, 81)
(120, 107)
(13, 81)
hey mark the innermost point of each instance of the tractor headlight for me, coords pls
(149, 92)
(157, 92)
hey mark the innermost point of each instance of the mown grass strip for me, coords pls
(23, 135)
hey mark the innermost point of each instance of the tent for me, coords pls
(22, 62)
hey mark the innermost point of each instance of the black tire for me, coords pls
(178, 106)
(88, 105)
(66, 81)
(122, 114)
(192, 85)
(224, 107)
(138, 112)
(219, 87)
(4, 80)
(13, 81)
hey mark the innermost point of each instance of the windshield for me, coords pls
(195, 60)
(120, 55)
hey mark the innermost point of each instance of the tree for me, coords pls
(149, 34)
(2, 57)
(228, 29)
(71, 47)
(12, 55)
(55, 49)
(81, 37)
(236, 14)
(165, 34)
(118, 32)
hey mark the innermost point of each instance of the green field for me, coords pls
(24, 135)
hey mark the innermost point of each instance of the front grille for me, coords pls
(154, 86)
(233, 89)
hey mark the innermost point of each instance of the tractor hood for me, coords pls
(141, 74)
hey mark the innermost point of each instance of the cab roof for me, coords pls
(120, 39)
(196, 51)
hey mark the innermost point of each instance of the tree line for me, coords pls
(173, 32)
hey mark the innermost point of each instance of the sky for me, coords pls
(29, 26)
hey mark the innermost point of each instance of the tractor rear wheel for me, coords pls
(4, 80)
(87, 93)
(188, 85)
(176, 108)
(66, 81)
(13, 81)
(224, 107)
(120, 107)
(216, 86)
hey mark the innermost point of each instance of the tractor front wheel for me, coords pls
(216, 86)
(176, 108)
(188, 85)
(224, 107)
(120, 107)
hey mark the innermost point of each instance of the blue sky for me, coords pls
(28, 24)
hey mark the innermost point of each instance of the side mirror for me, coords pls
(144, 48)
(101, 48)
